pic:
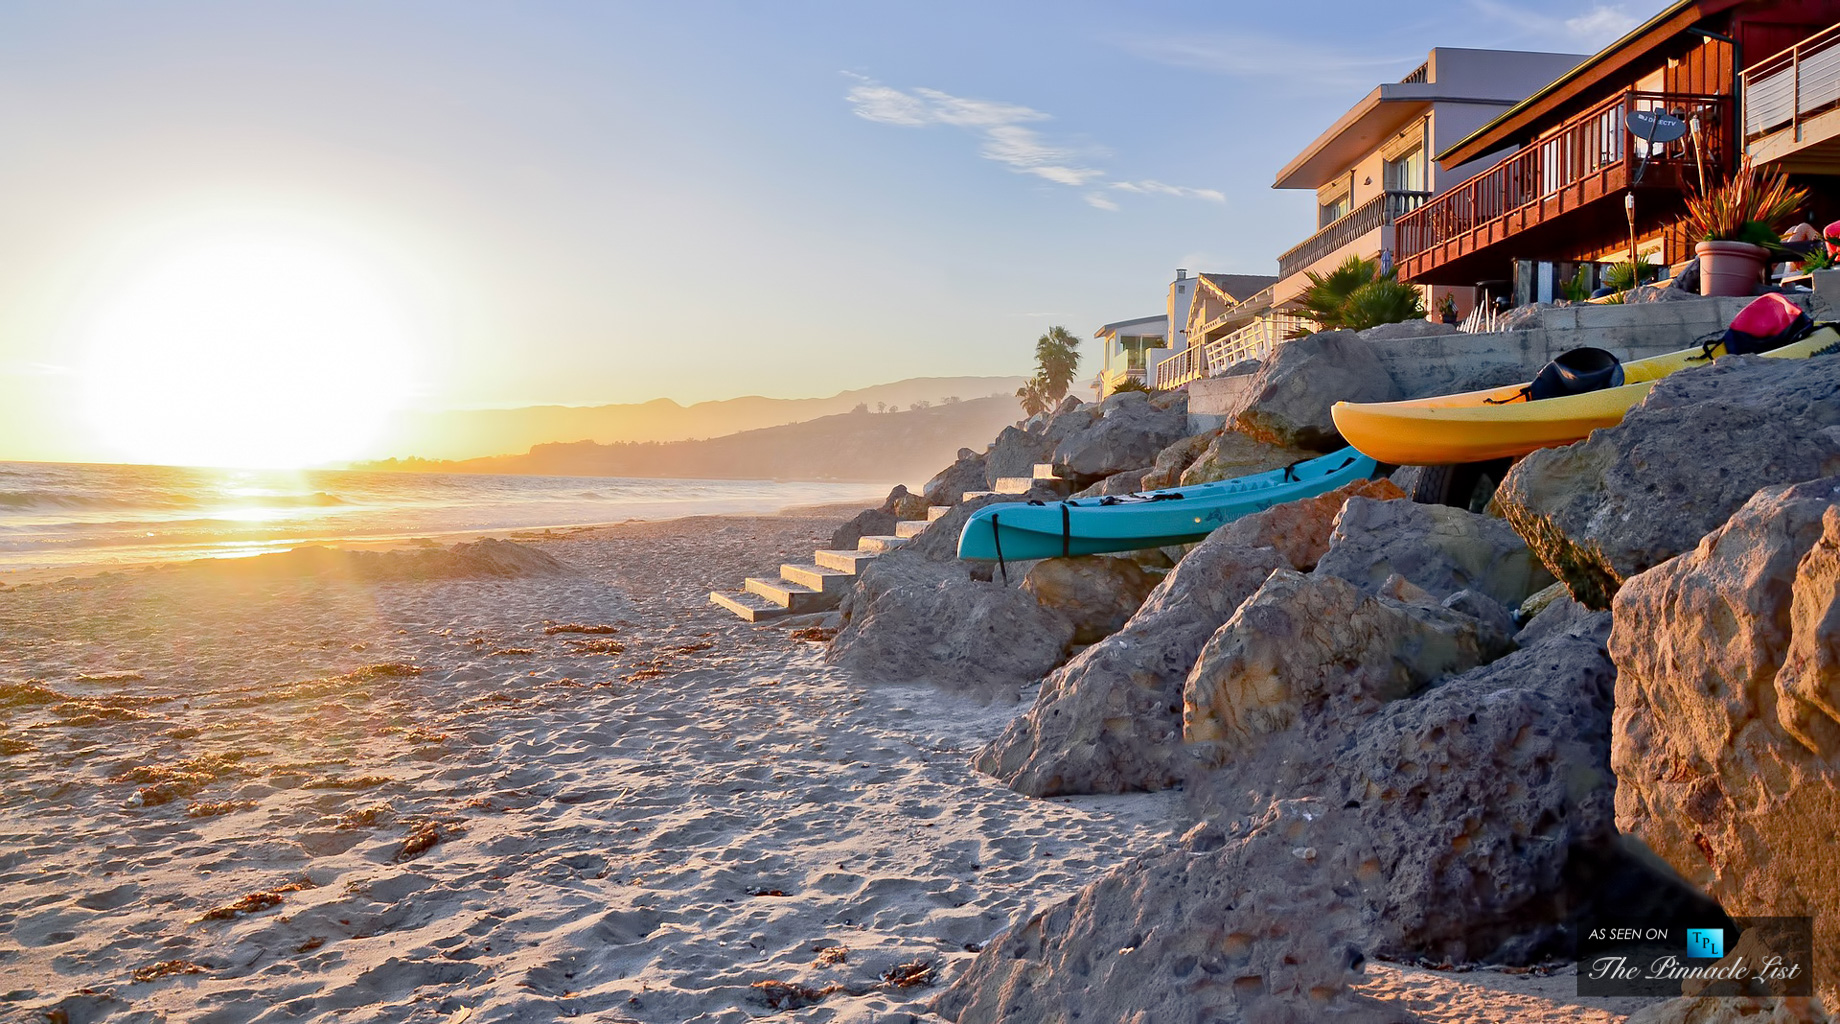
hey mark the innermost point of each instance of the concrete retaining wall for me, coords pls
(1442, 363)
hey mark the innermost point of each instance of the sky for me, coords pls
(502, 204)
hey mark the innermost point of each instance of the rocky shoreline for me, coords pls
(1405, 730)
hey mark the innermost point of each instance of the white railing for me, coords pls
(1481, 320)
(1253, 341)
(1782, 89)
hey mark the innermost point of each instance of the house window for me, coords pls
(1406, 172)
(1333, 210)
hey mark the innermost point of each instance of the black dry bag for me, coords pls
(1576, 372)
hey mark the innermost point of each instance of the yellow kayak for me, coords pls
(1499, 423)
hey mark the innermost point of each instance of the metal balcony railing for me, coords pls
(1379, 211)
(1783, 89)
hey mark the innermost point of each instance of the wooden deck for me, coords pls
(1561, 196)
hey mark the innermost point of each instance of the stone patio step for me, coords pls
(911, 528)
(843, 561)
(934, 513)
(791, 596)
(877, 545)
(818, 577)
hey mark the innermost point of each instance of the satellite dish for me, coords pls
(1656, 127)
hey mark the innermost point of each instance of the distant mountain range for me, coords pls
(890, 447)
(469, 434)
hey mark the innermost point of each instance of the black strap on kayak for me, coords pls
(1349, 461)
(1164, 496)
(1066, 530)
(996, 538)
(1525, 394)
(1109, 500)
(1290, 471)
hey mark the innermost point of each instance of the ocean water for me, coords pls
(57, 515)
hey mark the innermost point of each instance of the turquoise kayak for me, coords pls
(1020, 530)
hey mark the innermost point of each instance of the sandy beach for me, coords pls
(563, 787)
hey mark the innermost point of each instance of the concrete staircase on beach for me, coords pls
(819, 586)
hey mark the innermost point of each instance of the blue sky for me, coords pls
(595, 202)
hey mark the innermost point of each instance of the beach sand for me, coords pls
(235, 794)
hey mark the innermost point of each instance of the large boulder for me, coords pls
(967, 473)
(1253, 928)
(1231, 453)
(1097, 593)
(912, 620)
(1726, 740)
(1166, 471)
(1442, 549)
(1128, 482)
(1128, 433)
(1293, 391)
(870, 522)
(1110, 720)
(1317, 648)
(917, 613)
(1629, 497)
(1014, 453)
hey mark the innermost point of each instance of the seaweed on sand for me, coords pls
(259, 900)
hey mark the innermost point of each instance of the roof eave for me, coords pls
(1493, 136)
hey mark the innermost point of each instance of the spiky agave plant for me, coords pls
(1753, 205)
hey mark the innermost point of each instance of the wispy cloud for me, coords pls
(1301, 64)
(1590, 30)
(1006, 137)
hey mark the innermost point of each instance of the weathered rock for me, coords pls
(1128, 482)
(1256, 928)
(1171, 401)
(1564, 615)
(1303, 378)
(1318, 648)
(905, 504)
(1300, 530)
(965, 474)
(1727, 729)
(1439, 548)
(1097, 593)
(1171, 461)
(912, 620)
(1110, 720)
(1417, 328)
(1015, 453)
(1659, 293)
(1232, 453)
(1243, 368)
(870, 522)
(1632, 496)
(1128, 433)
(1731, 1010)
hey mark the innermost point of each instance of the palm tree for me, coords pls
(1034, 395)
(1355, 296)
(1057, 359)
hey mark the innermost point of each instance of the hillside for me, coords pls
(896, 447)
(472, 433)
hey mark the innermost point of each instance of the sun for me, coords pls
(246, 350)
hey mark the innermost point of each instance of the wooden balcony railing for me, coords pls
(1583, 160)
(1783, 89)
(1379, 211)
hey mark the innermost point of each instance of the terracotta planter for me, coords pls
(1730, 268)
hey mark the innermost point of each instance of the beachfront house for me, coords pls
(1792, 106)
(1129, 350)
(1372, 167)
(1568, 174)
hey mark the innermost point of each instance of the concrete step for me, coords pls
(879, 545)
(969, 495)
(817, 577)
(1049, 471)
(751, 607)
(791, 596)
(934, 513)
(843, 561)
(1025, 484)
(911, 528)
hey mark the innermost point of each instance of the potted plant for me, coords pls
(1447, 309)
(1734, 221)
